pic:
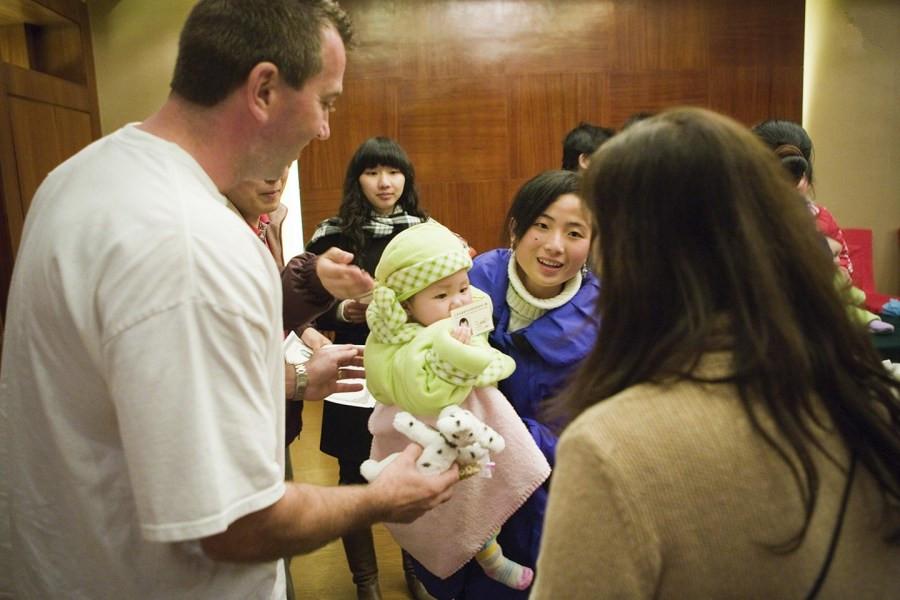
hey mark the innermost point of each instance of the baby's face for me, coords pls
(437, 300)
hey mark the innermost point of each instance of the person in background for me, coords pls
(735, 434)
(258, 202)
(142, 382)
(379, 201)
(543, 298)
(580, 143)
(794, 148)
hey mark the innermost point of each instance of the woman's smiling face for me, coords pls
(555, 247)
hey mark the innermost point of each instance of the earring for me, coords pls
(584, 269)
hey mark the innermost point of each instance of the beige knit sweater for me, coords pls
(667, 492)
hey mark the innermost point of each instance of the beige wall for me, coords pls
(852, 112)
(135, 43)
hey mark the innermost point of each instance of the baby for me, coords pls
(419, 360)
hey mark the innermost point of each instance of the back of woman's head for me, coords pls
(792, 145)
(355, 208)
(697, 220)
(535, 196)
(704, 244)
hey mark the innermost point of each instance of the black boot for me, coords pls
(416, 590)
(360, 551)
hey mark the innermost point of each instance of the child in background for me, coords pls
(793, 146)
(419, 360)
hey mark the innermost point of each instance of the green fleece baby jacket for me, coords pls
(423, 369)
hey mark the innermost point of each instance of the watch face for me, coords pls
(301, 381)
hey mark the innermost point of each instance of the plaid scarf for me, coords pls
(376, 226)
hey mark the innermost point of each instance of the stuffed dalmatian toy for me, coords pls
(459, 437)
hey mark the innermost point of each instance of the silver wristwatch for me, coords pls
(301, 381)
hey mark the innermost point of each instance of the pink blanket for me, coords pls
(446, 538)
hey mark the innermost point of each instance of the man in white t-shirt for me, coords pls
(142, 384)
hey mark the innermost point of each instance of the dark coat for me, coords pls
(345, 429)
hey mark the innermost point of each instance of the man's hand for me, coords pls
(352, 311)
(403, 494)
(339, 277)
(328, 364)
(314, 339)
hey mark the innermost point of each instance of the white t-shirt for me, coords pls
(141, 395)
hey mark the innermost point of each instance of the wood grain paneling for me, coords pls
(788, 103)
(651, 35)
(367, 108)
(652, 91)
(470, 209)
(551, 105)
(455, 129)
(317, 206)
(480, 93)
(44, 135)
(742, 92)
(48, 106)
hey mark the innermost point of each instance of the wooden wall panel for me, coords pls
(481, 92)
(742, 92)
(433, 114)
(651, 35)
(652, 91)
(44, 136)
(786, 100)
(318, 205)
(374, 113)
(551, 104)
(474, 208)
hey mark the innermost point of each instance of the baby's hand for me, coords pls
(462, 333)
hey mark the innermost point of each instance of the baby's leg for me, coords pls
(499, 568)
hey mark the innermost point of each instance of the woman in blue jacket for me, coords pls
(543, 299)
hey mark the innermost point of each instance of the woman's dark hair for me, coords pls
(699, 230)
(792, 145)
(534, 197)
(355, 209)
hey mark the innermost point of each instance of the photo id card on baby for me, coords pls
(477, 315)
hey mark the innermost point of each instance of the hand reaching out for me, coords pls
(327, 365)
(353, 311)
(314, 339)
(339, 277)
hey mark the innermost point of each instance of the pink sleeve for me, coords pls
(829, 227)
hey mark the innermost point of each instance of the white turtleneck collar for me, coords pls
(525, 307)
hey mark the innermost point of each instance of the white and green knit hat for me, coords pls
(412, 261)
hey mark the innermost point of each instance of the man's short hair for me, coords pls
(222, 40)
(584, 139)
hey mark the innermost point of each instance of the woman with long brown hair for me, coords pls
(736, 433)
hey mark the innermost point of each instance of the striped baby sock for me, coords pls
(499, 568)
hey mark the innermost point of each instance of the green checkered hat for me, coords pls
(412, 261)
(419, 256)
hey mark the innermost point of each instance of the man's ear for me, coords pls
(261, 89)
(584, 160)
